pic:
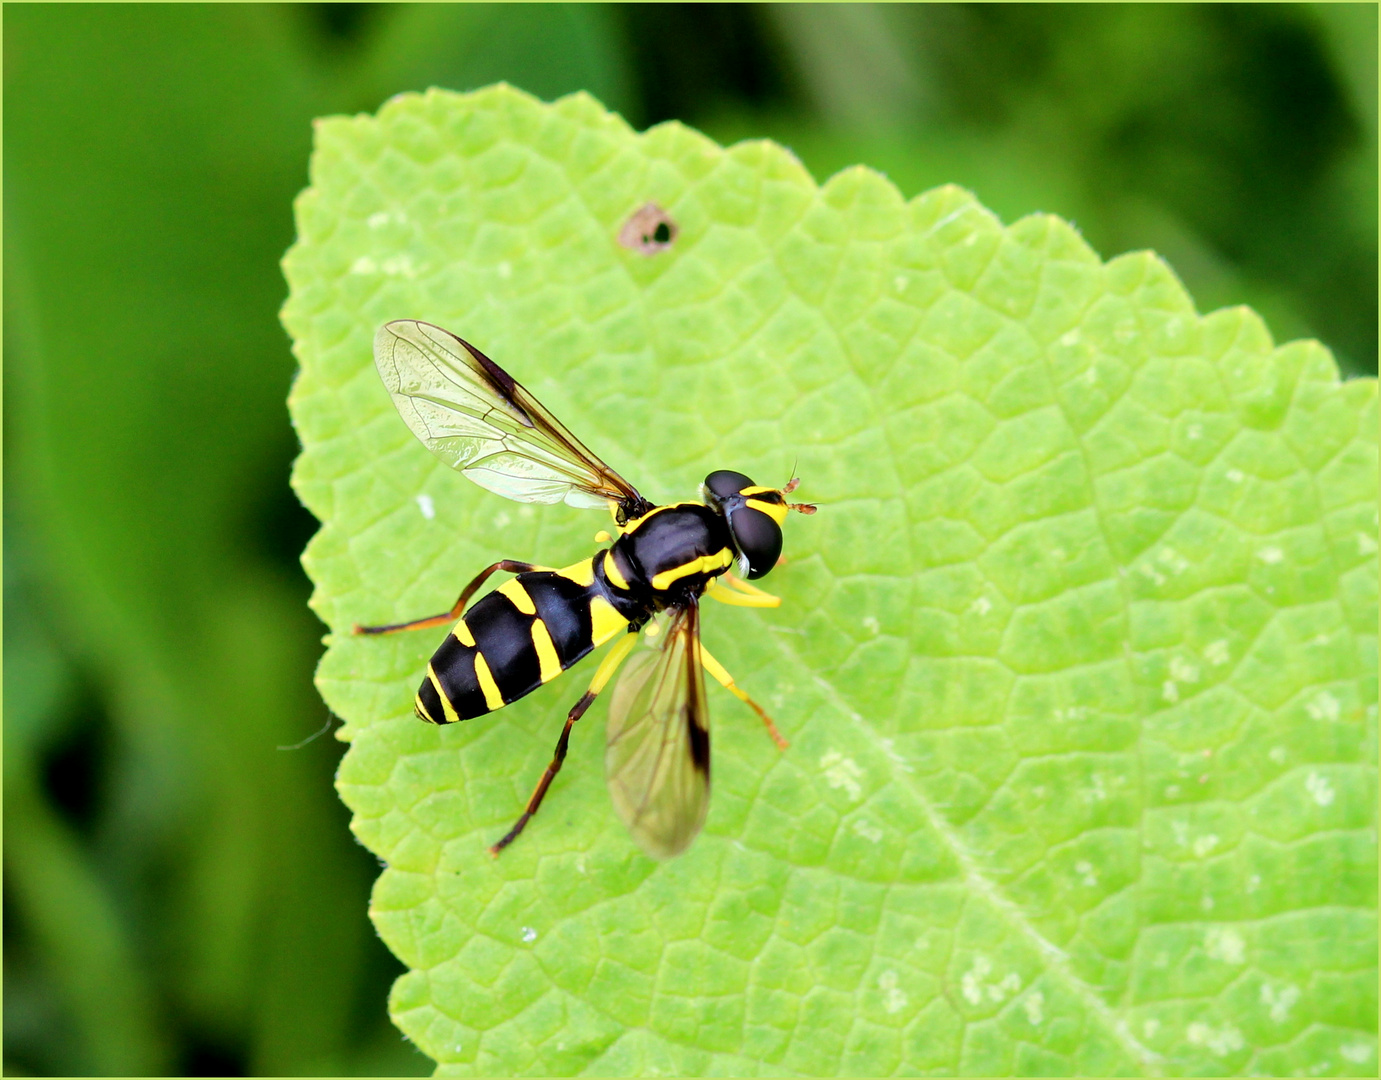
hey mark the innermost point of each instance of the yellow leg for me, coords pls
(716, 669)
(612, 659)
(734, 581)
(610, 664)
(746, 596)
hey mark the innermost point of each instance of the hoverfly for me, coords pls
(476, 418)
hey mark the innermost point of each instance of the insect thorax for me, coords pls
(672, 552)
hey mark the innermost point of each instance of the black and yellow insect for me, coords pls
(474, 416)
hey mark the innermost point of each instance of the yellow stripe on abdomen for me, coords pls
(446, 707)
(488, 686)
(514, 591)
(582, 573)
(548, 662)
(605, 622)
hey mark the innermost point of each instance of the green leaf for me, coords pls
(1077, 660)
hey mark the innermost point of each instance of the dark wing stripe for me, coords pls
(500, 381)
(480, 420)
(657, 744)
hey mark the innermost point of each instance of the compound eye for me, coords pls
(723, 483)
(758, 537)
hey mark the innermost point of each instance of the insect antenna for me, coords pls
(800, 508)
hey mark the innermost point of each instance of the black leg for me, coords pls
(603, 674)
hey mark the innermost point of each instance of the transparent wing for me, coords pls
(657, 750)
(477, 419)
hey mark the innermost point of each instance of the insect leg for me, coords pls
(508, 566)
(603, 674)
(740, 594)
(716, 669)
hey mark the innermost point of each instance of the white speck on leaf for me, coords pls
(1324, 706)
(1270, 555)
(1318, 786)
(870, 624)
(1217, 652)
(842, 772)
(1279, 1000)
(425, 504)
(1182, 670)
(981, 606)
(501, 520)
(1205, 844)
(1071, 337)
(1087, 874)
(1217, 1041)
(1356, 1052)
(894, 998)
(867, 831)
(899, 283)
(1196, 431)
(505, 269)
(1236, 476)
(1172, 559)
(1170, 692)
(364, 265)
(971, 982)
(1034, 1004)
(529, 934)
(379, 220)
(974, 988)
(1226, 944)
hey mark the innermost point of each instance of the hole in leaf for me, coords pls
(650, 229)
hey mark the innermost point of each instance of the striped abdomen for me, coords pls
(514, 639)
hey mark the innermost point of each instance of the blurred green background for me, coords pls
(183, 896)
